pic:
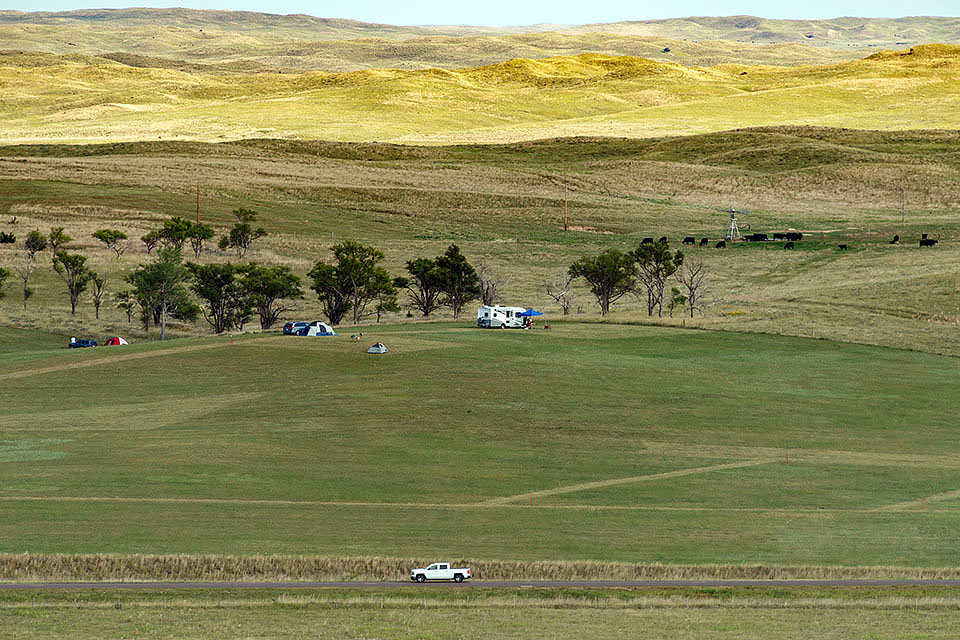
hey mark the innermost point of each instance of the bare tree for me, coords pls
(559, 291)
(693, 277)
(99, 290)
(490, 286)
(24, 271)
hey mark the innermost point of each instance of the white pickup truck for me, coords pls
(440, 571)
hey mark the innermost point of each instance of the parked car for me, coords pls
(440, 571)
(293, 328)
(83, 342)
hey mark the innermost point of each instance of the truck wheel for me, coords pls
(458, 578)
(421, 577)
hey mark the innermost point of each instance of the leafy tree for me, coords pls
(242, 235)
(174, 232)
(151, 240)
(57, 238)
(609, 274)
(4, 274)
(199, 233)
(460, 283)
(330, 290)
(218, 287)
(160, 288)
(266, 289)
(655, 264)
(127, 301)
(72, 269)
(355, 281)
(424, 285)
(35, 243)
(99, 290)
(111, 238)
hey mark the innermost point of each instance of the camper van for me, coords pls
(497, 317)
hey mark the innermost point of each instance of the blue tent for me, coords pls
(528, 313)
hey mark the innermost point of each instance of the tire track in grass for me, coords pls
(95, 362)
(916, 504)
(600, 484)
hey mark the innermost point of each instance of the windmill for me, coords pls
(733, 231)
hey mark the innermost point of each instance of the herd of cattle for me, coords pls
(790, 237)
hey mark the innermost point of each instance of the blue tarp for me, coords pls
(528, 313)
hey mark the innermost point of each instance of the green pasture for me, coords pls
(596, 442)
(480, 613)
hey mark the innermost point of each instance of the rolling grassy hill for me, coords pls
(503, 204)
(80, 98)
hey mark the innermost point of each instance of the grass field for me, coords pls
(633, 444)
(747, 614)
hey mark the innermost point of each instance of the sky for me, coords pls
(525, 12)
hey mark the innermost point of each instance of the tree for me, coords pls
(677, 299)
(655, 264)
(150, 240)
(330, 290)
(559, 291)
(111, 238)
(160, 286)
(4, 274)
(24, 271)
(218, 286)
(266, 288)
(356, 280)
(72, 269)
(127, 301)
(458, 278)
(489, 284)
(56, 239)
(424, 285)
(174, 232)
(35, 243)
(99, 290)
(199, 233)
(242, 235)
(609, 274)
(693, 277)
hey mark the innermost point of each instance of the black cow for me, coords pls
(689, 240)
(721, 245)
(779, 236)
(896, 240)
(789, 245)
(647, 241)
(662, 240)
(704, 241)
(794, 236)
(842, 247)
(928, 242)
(923, 236)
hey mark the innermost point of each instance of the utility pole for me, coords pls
(902, 198)
(198, 203)
(564, 207)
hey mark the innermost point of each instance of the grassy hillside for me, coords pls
(81, 98)
(504, 205)
(633, 444)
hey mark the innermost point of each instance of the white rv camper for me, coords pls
(497, 317)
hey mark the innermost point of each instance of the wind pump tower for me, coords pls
(733, 231)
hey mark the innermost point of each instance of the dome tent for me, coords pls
(378, 347)
(115, 342)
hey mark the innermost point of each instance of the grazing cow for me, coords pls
(842, 247)
(662, 240)
(794, 236)
(789, 245)
(928, 242)
(721, 245)
(704, 241)
(896, 240)
(647, 241)
(779, 236)
(689, 240)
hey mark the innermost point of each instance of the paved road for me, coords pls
(501, 584)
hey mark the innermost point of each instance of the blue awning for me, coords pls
(528, 313)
